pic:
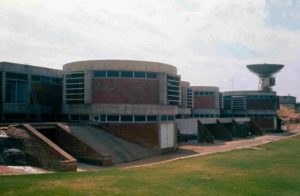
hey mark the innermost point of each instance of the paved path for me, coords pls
(186, 150)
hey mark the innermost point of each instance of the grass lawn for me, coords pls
(272, 170)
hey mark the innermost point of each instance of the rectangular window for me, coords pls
(170, 117)
(151, 118)
(164, 118)
(102, 118)
(74, 117)
(127, 74)
(75, 75)
(127, 118)
(112, 118)
(45, 79)
(35, 78)
(139, 74)
(100, 74)
(69, 86)
(84, 117)
(139, 118)
(113, 74)
(16, 91)
(151, 75)
(74, 101)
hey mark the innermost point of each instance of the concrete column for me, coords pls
(64, 89)
(88, 78)
(162, 77)
(2, 94)
(183, 97)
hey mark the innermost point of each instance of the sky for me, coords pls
(209, 41)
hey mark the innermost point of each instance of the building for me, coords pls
(135, 100)
(260, 106)
(288, 101)
(206, 102)
(187, 101)
(29, 93)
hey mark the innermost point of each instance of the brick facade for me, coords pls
(204, 102)
(125, 91)
(265, 123)
(143, 134)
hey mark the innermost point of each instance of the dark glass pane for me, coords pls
(127, 118)
(127, 74)
(151, 118)
(112, 73)
(139, 74)
(139, 118)
(112, 118)
(100, 74)
(151, 75)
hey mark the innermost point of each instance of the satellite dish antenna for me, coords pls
(266, 73)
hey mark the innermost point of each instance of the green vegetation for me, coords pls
(272, 170)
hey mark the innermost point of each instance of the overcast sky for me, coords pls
(209, 41)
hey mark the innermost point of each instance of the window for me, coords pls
(74, 117)
(75, 75)
(74, 91)
(151, 118)
(45, 79)
(84, 117)
(139, 74)
(151, 75)
(127, 74)
(74, 86)
(35, 78)
(17, 76)
(127, 118)
(139, 118)
(100, 74)
(164, 118)
(112, 118)
(16, 91)
(114, 74)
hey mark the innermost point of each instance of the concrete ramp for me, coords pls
(106, 143)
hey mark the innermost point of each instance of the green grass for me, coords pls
(273, 170)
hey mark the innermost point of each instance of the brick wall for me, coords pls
(142, 134)
(261, 105)
(204, 102)
(125, 91)
(265, 123)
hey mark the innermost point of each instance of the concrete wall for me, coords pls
(125, 91)
(130, 109)
(128, 65)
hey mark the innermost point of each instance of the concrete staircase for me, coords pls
(104, 142)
